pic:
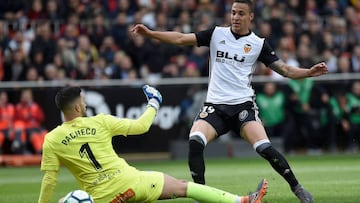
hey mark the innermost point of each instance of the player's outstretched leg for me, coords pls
(261, 190)
(303, 195)
(209, 194)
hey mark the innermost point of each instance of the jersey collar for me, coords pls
(237, 36)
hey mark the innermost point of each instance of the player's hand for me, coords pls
(153, 96)
(140, 29)
(318, 69)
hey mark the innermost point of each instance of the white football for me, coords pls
(78, 196)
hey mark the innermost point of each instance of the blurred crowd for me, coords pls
(83, 39)
(89, 39)
(21, 130)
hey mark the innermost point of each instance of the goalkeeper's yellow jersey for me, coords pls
(84, 146)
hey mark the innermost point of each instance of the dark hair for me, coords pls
(248, 2)
(66, 96)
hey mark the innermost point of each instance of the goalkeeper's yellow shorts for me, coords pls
(149, 186)
(144, 187)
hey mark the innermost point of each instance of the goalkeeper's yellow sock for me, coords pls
(209, 194)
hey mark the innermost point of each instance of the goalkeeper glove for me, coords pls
(153, 96)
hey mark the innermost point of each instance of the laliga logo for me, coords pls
(166, 117)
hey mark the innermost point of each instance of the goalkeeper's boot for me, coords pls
(303, 195)
(261, 190)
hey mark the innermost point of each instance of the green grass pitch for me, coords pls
(331, 178)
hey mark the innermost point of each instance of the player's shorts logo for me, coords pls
(243, 115)
(203, 114)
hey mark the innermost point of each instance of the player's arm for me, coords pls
(269, 58)
(170, 37)
(48, 185)
(143, 123)
(298, 73)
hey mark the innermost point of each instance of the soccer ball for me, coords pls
(78, 196)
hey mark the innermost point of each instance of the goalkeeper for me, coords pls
(83, 145)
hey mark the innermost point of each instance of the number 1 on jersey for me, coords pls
(86, 150)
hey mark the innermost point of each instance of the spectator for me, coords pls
(170, 70)
(17, 43)
(12, 11)
(137, 48)
(51, 72)
(275, 21)
(340, 34)
(288, 32)
(16, 68)
(331, 7)
(110, 7)
(85, 51)
(181, 61)
(69, 34)
(330, 59)
(72, 28)
(58, 63)
(340, 108)
(162, 22)
(4, 37)
(311, 6)
(1, 66)
(54, 11)
(98, 30)
(353, 21)
(102, 70)
(355, 59)
(344, 64)
(44, 42)
(37, 61)
(353, 98)
(7, 112)
(297, 7)
(84, 71)
(119, 30)
(122, 67)
(184, 22)
(108, 49)
(323, 125)
(28, 124)
(272, 108)
(327, 42)
(199, 56)
(77, 8)
(37, 11)
(314, 30)
(304, 54)
(265, 30)
(148, 15)
(113, 7)
(66, 55)
(300, 108)
(157, 56)
(190, 70)
(32, 74)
